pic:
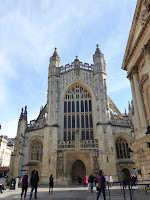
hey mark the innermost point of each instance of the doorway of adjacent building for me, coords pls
(127, 173)
(78, 169)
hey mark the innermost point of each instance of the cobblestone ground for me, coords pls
(74, 193)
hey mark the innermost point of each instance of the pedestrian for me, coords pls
(106, 183)
(51, 184)
(91, 180)
(101, 185)
(85, 181)
(80, 179)
(24, 184)
(34, 184)
(124, 179)
(110, 180)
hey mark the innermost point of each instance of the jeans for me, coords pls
(35, 193)
(99, 190)
(91, 187)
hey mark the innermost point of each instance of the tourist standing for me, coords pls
(101, 185)
(24, 184)
(34, 184)
(91, 180)
(85, 181)
(51, 184)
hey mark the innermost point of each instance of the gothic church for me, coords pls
(78, 131)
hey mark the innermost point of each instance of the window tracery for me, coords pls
(36, 150)
(122, 148)
(78, 114)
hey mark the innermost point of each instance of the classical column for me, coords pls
(146, 51)
(136, 111)
(139, 98)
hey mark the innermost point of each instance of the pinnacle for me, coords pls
(97, 52)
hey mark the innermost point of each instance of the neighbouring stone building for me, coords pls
(6, 149)
(78, 131)
(137, 64)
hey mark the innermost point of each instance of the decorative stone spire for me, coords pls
(76, 60)
(23, 114)
(55, 59)
(97, 52)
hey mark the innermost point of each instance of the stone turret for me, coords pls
(53, 85)
(100, 78)
(99, 62)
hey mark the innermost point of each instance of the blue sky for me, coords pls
(31, 29)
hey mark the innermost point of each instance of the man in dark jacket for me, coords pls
(91, 180)
(101, 185)
(34, 183)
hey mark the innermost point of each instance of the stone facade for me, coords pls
(6, 149)
(78, 131)
(137, 64)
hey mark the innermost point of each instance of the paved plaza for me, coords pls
(74, 193)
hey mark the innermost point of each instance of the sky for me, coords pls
(31, 29)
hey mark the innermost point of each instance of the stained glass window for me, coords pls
(78, 114)
(36, 150)
(122, 148)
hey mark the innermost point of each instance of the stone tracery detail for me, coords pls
(78, 114)
(36, 150)
(122, 148)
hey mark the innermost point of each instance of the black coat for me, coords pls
(34, 180)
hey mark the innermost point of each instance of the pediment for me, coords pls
(140, 19)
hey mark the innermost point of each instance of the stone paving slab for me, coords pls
(74, 193)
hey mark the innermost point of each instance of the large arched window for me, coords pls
(122, 148)
(36, 150)
(78, 114)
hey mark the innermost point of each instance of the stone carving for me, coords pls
(95, 161)
(60, 162)
(146, 49)
(144, 16)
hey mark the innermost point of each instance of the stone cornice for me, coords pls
(133, 71)
(129, 51)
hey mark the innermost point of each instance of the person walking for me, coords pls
(91, 180)
(24, 184)
(110, 180)
(34, 184)
(101, 185)
(106, 183)
(51, 184)
(85, 181)
(124, 179)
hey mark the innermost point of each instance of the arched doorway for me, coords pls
(127, 173)
(78, 169)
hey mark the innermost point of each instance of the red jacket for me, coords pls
(25, 180)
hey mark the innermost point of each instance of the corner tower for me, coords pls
(100, 82)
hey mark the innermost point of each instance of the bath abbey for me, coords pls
(79, 130)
